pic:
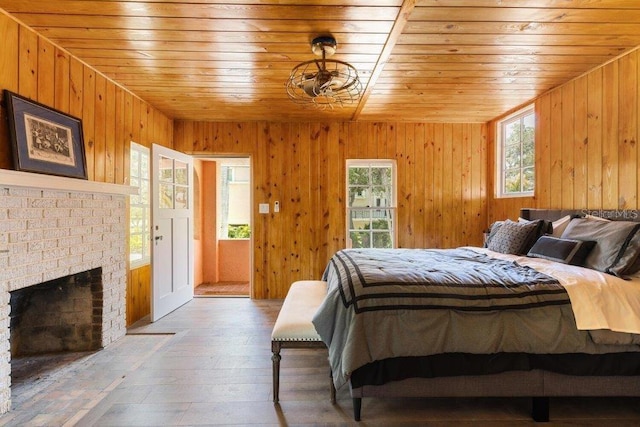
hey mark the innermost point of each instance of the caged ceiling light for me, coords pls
(324, 82)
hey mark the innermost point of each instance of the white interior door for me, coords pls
(172, 233)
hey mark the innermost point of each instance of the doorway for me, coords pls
(223, 241)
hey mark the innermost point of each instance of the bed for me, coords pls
(553, 311)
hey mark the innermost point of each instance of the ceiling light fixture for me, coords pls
(324, 82)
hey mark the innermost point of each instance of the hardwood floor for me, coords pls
(209, 363)
(233, 289)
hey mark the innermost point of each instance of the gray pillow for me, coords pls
(634, 266)
(515, 237)
(566, 251)
(629, 261)
(618, 244)
(493, 229)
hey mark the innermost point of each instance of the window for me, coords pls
(139, 207)
(234, 199)
(516, 154)
(237, 174)
(371, 203)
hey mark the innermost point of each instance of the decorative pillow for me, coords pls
(547, 228)
(493, 229)
(515, 237)
(566, 251)
(618, 245)
(559, 225)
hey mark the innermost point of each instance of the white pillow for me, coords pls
(559, 225)
(597, 218)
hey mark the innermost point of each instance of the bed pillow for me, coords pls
(566, 251)
(547, 228)
(618, 246)
(493, 229)
(595, 217)
(559, 225)
(515, 238)
(629, 262)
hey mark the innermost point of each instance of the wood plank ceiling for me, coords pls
(424, 60)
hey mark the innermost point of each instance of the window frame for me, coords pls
(393, 197)
(146, 235)
(500, 152)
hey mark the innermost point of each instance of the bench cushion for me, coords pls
(299, 307)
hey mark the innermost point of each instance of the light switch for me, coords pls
(263, 208)
(276, 206)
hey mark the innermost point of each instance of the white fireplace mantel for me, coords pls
(11, 178)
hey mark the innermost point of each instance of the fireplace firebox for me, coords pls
(60, 315)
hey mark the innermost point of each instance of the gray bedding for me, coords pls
(415, 302)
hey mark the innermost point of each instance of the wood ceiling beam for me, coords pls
(396, 31)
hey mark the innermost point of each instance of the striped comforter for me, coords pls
(383, 304)
(420, 279)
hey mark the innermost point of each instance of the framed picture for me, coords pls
(45, 140)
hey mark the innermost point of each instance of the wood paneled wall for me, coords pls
(586, 143)
(138, 293)
(441, 172)
(111, 117)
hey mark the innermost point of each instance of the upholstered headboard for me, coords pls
(553, 214)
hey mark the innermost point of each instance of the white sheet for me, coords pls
(598, 300)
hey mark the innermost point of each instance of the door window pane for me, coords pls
(181, 173)
(182, 197)
(165, 169)
(166, 196)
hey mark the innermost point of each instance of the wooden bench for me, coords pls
(293, 327)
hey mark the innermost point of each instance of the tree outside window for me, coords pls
(517, 154)
(371, 203)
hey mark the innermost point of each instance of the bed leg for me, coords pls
(275, 358)
(540, 409)
(357, 408)
(332, 388)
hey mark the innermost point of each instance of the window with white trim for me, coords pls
(234, 198)
(516, 154)
(140, 207)
(371, 204)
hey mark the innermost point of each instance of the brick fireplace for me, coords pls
(53, 228)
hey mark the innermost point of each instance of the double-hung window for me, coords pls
(140, 207)
(371, 204)
(516, 154)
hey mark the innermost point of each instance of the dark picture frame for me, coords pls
(43, 139)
